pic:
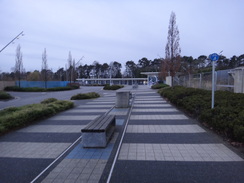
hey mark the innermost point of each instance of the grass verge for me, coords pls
(16, 117)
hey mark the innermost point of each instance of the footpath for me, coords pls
(153, 142)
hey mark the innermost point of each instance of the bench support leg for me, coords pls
(94, 139)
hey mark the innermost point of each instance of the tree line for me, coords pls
(72, 71)
(172, 64)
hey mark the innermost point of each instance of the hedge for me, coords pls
(159, 86)
(16, 117)
(81, 96)
(112, 87)
(227, 117)
(5, 96)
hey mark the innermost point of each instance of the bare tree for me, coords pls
(18, 63)
(44, 71)
(171, 63)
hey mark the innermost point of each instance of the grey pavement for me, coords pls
(153, 142)
(24, 98)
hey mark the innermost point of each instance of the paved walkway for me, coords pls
(160, 144)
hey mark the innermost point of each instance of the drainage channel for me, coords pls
(121, 140)
(41, 176)
(55, 161)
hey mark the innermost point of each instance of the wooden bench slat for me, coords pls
(96, 124)
(105, 125)
(93, 123)
(101, 124)
(98, 132)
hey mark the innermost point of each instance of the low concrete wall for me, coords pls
(169, 80)
(3, 84)
(238, 74)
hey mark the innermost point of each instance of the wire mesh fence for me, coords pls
(223, 80)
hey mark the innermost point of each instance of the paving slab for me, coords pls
(160, 144)
(30, 150)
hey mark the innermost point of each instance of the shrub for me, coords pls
(16, 117)
(95, 84)
(49, 100)
(8, 110)
(85, 96)
(227, 117)
(159, 86)
(238, 126)
(5, 96)
(195, 104)
(30, 89)
(112, 87)
(62, 105)
(74, 85)
(13, 88)
(60, 88)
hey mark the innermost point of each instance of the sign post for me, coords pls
(213, 57)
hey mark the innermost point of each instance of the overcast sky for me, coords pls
(116, 30)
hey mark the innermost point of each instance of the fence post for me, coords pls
(242, 81)
(200, 80)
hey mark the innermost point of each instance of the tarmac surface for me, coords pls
(153, 142)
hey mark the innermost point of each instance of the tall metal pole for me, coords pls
(12, 41)
(213, 57)
(213, 83)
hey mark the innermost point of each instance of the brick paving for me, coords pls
(28, 151)
(160, 144)
(87, 164)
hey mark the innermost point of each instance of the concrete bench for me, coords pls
(98, 132)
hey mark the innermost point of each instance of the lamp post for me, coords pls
(78, 63)
(17, 37)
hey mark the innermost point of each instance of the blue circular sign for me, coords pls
(214, 57)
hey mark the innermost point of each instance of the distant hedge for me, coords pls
(112, 87)
(226, 118)
(81, 96)
(159, 86)
(16, 117)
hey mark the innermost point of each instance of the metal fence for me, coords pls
(223, 80)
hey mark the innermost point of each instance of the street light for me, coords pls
(17, 37)
(78, 63)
